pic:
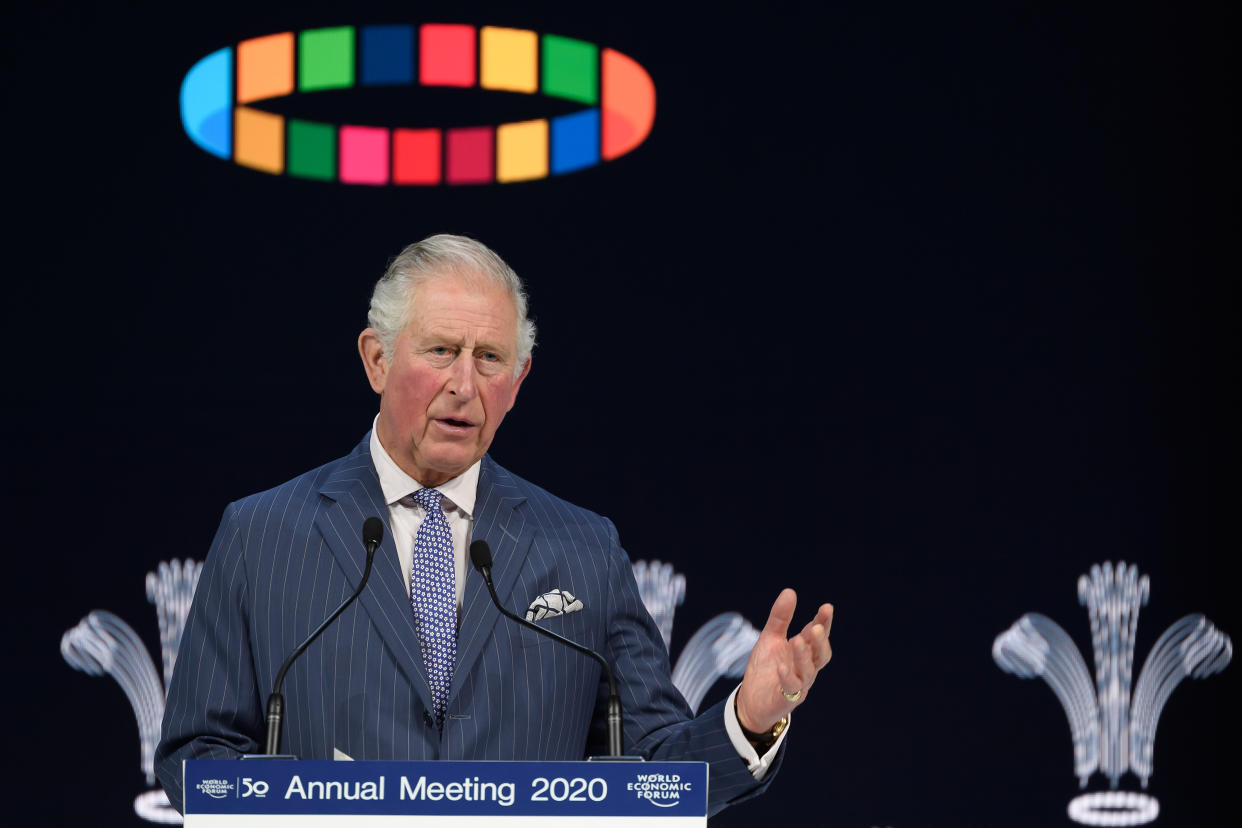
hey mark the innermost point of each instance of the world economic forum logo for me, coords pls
(220, 92)
(1113, 725)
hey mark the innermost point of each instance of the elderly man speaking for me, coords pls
(421, 667)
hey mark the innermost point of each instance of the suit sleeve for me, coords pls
(214, 710)
(658, 722)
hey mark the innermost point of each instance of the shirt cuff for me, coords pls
(756, 764)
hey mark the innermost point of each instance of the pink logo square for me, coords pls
(364, 155)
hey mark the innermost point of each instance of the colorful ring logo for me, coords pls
(618, 92)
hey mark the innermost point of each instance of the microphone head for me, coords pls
(481, 555)
(372, 531)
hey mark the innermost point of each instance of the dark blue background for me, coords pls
(921, 308)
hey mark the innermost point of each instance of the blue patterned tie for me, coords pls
(433, 596)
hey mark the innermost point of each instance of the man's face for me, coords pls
(451, 380)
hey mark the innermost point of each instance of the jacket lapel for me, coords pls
(355, 493)
(501, 522)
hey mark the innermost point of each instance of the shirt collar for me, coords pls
(396, 484)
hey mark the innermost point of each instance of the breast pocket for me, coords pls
(566, 625)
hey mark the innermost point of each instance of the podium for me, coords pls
(321, 794)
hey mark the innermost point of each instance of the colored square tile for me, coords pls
(265, 67)
(416, 156)
(259, 140)
(571, 69)
(446, 55)
(387, 55)
(469, 156)
(575, 141)
(326, 58)
(312, 150)
(522, 151)
(364, 155)
(509, 60)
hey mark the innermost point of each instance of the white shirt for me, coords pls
(457, 501)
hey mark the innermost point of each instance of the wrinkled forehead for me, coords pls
(475, 294)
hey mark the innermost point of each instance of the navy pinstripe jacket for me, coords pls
(283, 559)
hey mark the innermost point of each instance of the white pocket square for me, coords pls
(556, 602)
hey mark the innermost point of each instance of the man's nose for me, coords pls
(461, 378)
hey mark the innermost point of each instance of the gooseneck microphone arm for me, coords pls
(481, 557)
(372, 534)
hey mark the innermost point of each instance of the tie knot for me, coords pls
(429, 499)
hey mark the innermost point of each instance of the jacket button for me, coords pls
(427, 719)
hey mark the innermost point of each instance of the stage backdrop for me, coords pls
(924, 309)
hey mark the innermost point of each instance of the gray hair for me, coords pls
(440, 255)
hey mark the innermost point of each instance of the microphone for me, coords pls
(481, 557)
(372, 534)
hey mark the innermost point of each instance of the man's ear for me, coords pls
(518, 384)
(374, 361)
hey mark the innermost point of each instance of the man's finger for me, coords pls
(824, 616)
(803, 663)
(782, 613)
(821, 651)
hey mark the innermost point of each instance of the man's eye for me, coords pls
(489, 356)
(440, 350)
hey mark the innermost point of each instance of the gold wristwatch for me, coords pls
(761, 742)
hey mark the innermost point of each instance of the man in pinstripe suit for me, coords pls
(447, 349)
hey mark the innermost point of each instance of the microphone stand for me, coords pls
(481, 556)
(372, 534)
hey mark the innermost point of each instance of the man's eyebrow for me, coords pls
(488, 345)
(434, 337)
(438, 336)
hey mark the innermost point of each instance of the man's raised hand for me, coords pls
(780, 671)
